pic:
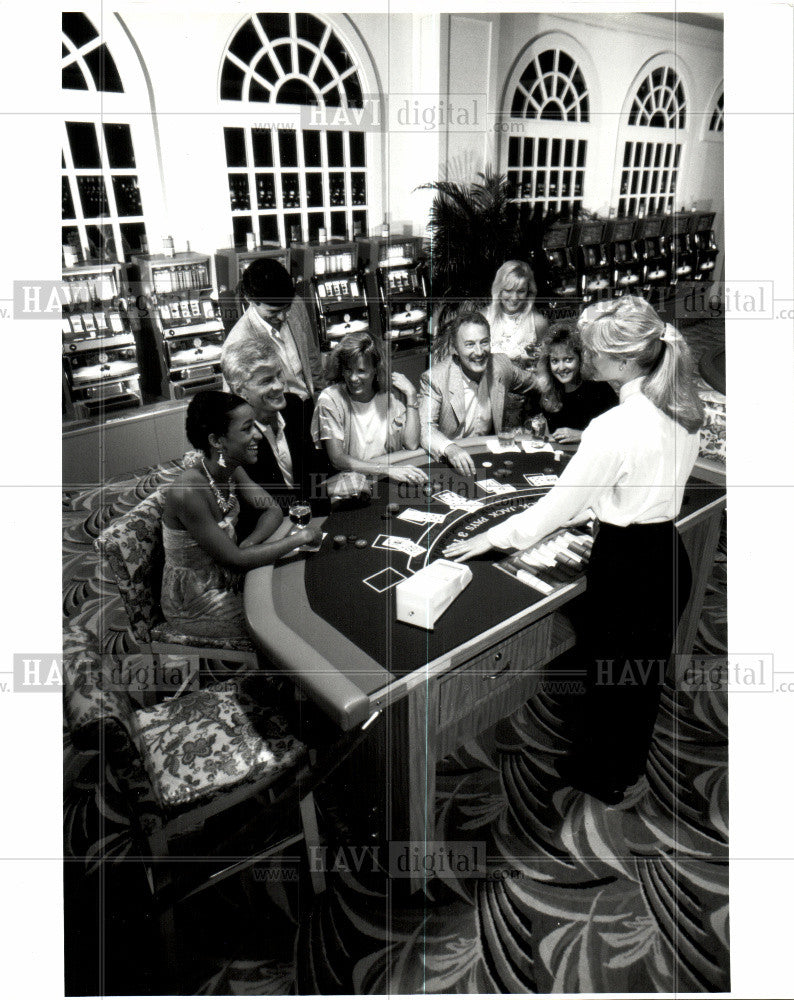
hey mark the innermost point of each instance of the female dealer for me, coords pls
(630, 471)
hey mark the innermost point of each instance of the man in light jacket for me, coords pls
(463, 395)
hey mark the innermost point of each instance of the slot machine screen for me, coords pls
(622, 231)
(704, 222)
(591, 234)
(651, 227)
(557, 238)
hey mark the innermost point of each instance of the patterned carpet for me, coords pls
(580, 898)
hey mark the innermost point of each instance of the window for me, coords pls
(86, 62)
(312, 177)
(101, 206)
(550, 109)
(717, 117)
(649, 173)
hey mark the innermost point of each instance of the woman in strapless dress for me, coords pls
(204, 564)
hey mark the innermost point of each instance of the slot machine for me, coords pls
(705, 246)
(396, 283)
(626, 268)
(594, 264)
(682, 254)
(230, 263)
(557, 262)
(184, 319)
(101, 370)
(654, 256)
(332, 275)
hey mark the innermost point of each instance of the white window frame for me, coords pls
(112, 107)
(246, 114)
(650, 136)
(539, 129)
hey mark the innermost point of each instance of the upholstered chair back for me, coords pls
(133, 547)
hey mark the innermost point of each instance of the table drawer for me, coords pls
(492, 685)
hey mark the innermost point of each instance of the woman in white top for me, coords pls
(358, 421)
(516, 327)
(630, 471)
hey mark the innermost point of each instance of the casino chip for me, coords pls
(352, 538)
(508, 464)
(487, 465)
(393, 508)
(361, 543)
(339, 541)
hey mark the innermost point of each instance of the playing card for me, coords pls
(455, 501)
(492, 486)
(541, 480)
(421, 516)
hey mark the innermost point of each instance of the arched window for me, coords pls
(101, 206)
(656, 124)
(312, 173)
(545, 120)
(86, 62)
(717, 121)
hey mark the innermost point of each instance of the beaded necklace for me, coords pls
(225, 504)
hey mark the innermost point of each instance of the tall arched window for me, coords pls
(313, 175)
(101, 205)
(656, 125)
(546, 121)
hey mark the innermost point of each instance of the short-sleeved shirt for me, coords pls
(364, 430)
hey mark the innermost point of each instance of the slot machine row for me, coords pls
(184, 321)
(581, 263)
(101, 364)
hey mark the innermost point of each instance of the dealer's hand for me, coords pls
(567, 435)
(460, 460)
(467, 548)
(407, 474)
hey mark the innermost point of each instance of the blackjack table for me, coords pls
(328, 618)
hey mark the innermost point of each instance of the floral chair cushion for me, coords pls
(203, 743)
(90, 701)
(133, 547)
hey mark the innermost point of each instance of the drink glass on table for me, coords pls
(506, 436)
(300, 513)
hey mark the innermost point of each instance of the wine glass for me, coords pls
(300, 513)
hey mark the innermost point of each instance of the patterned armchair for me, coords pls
(192, 758)
(133, 547)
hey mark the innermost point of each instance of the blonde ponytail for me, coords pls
(631, 329)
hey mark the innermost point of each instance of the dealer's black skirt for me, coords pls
(638, 584)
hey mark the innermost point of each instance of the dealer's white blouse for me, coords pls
(631, 468)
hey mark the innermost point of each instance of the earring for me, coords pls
(222, 460)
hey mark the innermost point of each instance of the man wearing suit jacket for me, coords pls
(464, 394)
(288, 466)
(277, 317)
